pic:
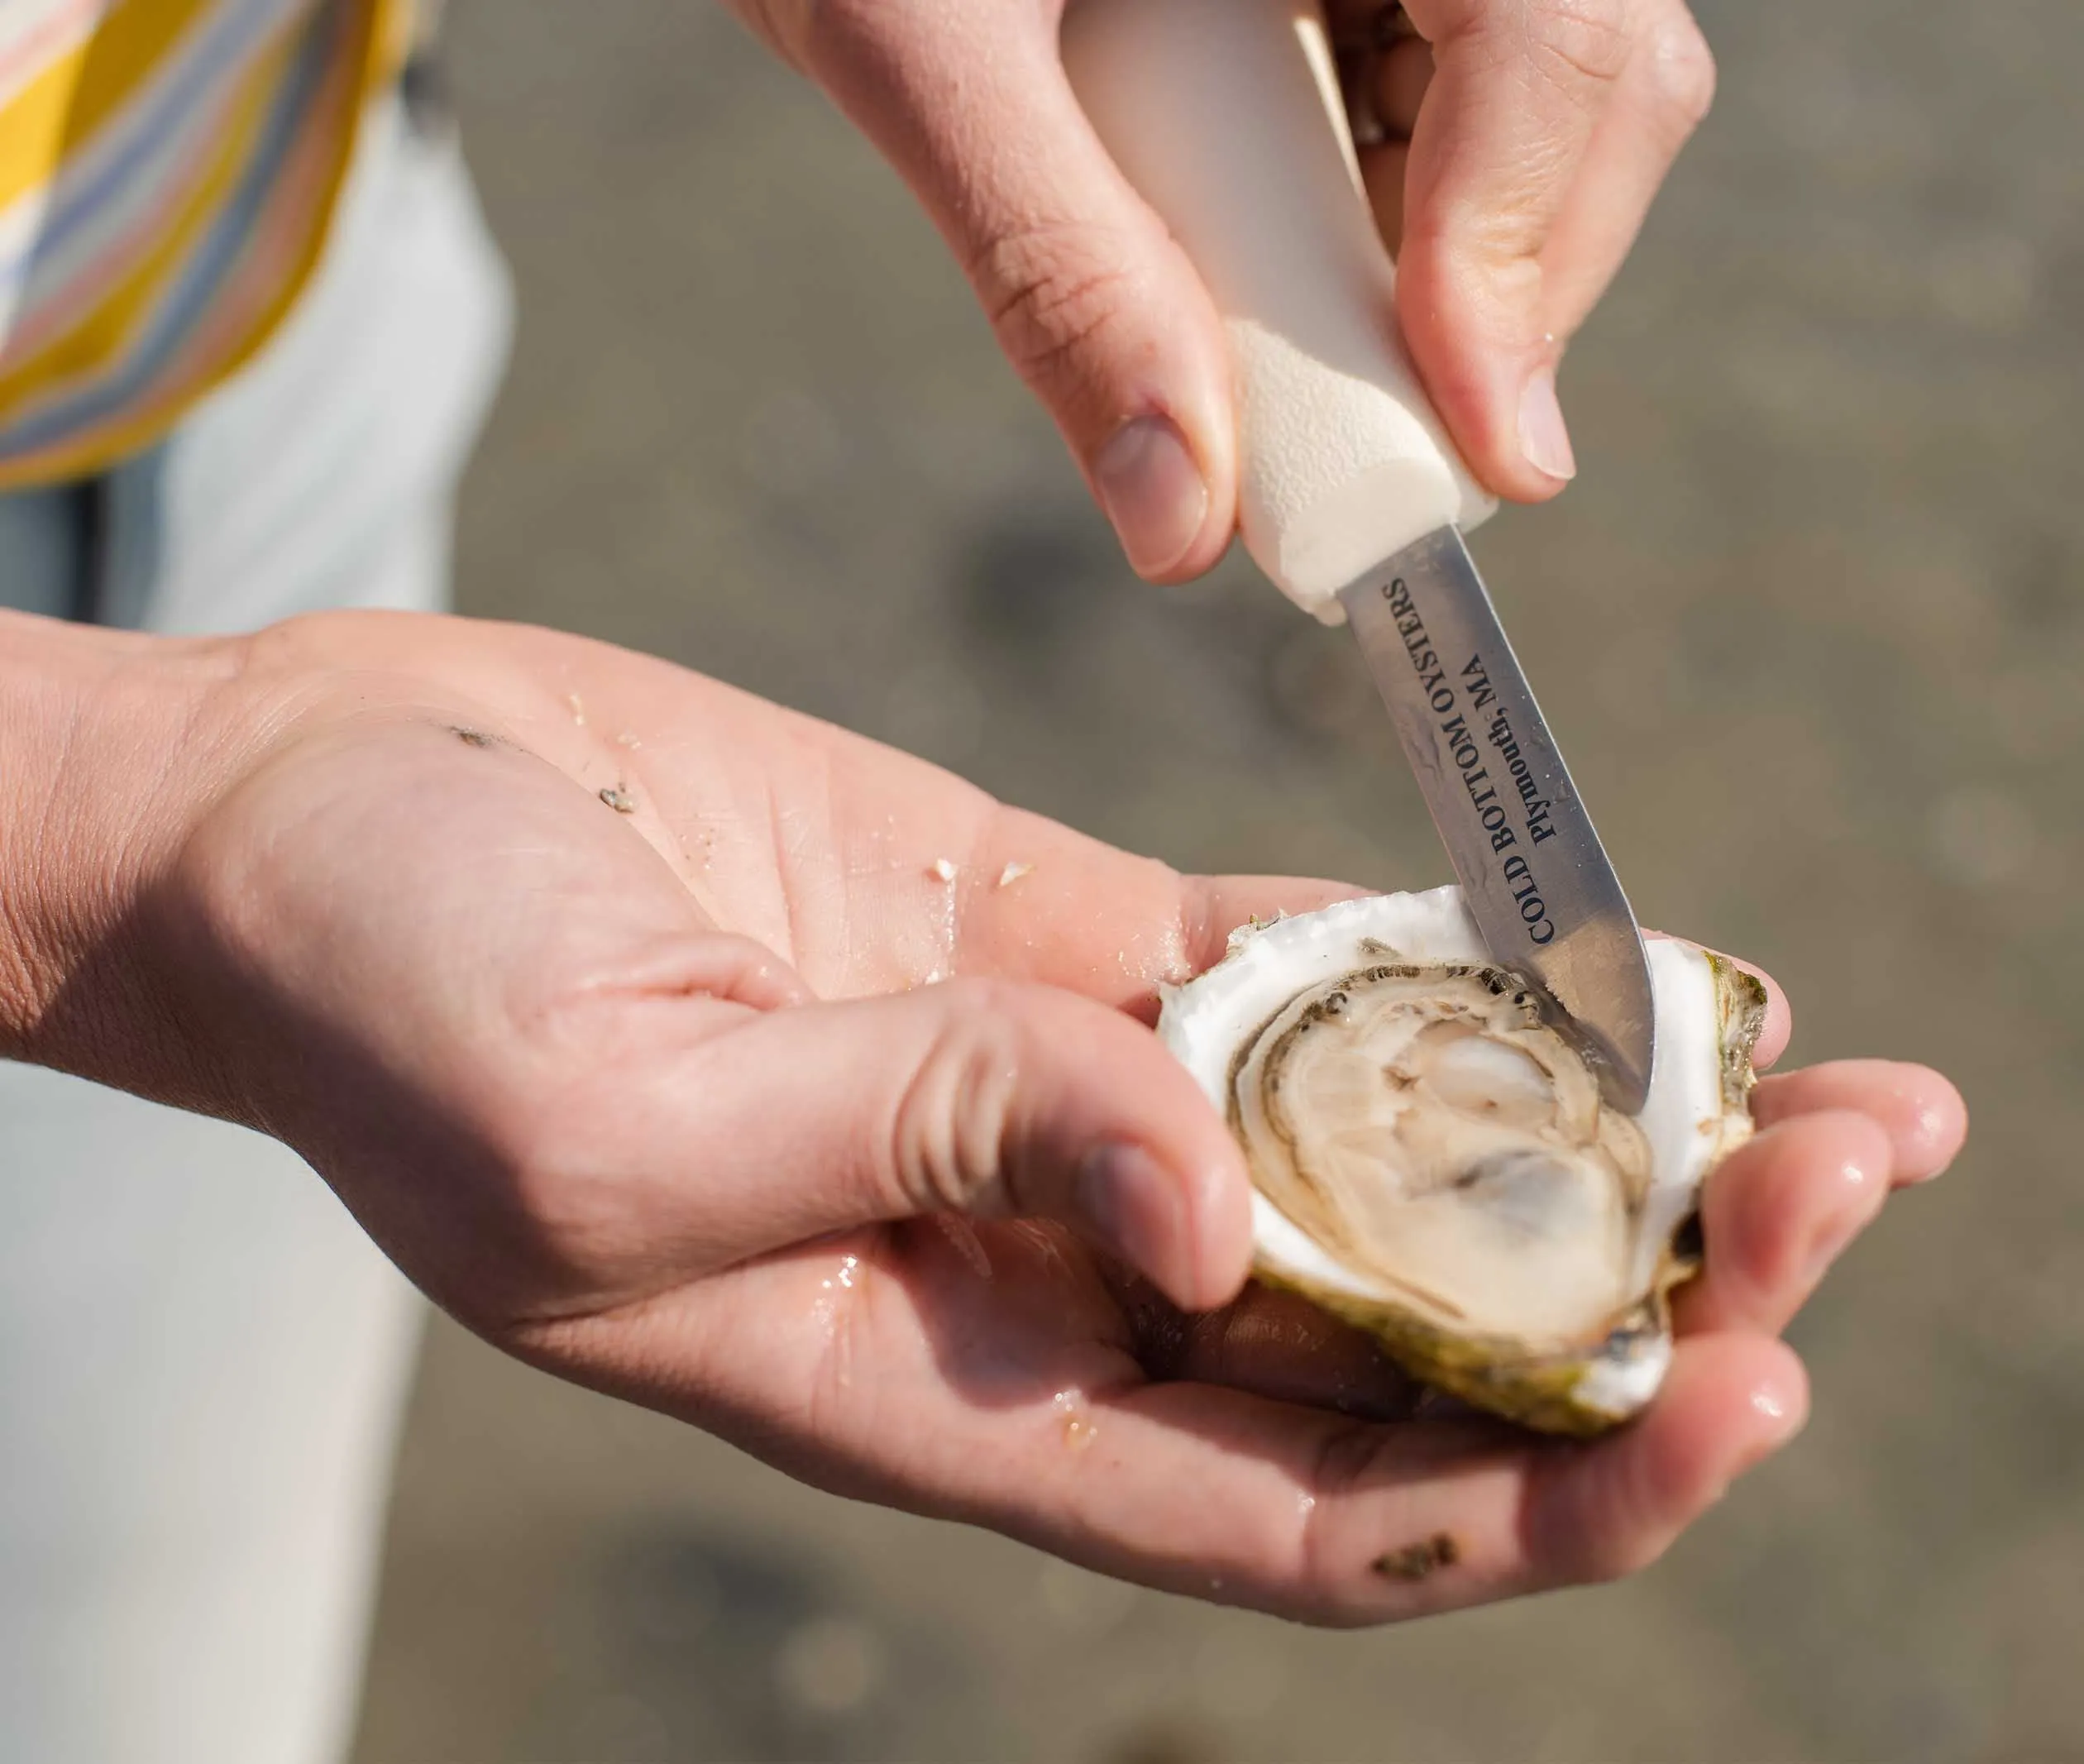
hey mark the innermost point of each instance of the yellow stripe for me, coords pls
(64, 106)
(397, 27)
(105, 331)
(337, 113)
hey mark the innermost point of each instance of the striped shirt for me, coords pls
(168, 169)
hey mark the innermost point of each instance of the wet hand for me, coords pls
(709, 1056)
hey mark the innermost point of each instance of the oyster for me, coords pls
(1433, 1158)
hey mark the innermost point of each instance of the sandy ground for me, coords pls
(1810, 627)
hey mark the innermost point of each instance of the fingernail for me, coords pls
(1138, 1209)
(1152, 492)
(1545, 438)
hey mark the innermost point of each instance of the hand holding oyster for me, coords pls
(839, 1131)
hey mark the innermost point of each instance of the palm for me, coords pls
(533, 884)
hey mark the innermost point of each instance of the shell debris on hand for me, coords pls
(1433, 1160)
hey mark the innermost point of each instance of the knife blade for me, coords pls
(1228, 118)
(1533, 870)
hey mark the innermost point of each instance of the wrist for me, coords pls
(97, 785)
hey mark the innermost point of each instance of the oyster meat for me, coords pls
(1433, 1160)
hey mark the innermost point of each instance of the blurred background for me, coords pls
(1810, 625)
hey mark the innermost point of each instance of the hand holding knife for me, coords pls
(1227, 115)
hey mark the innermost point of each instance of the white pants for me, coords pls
(203, 1361)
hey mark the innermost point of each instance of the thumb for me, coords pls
(985, 1097)
(1094, 304)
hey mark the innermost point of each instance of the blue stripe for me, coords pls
(207, 271)
(229, 36)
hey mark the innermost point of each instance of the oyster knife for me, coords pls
(1227, 115)
(1532, 868)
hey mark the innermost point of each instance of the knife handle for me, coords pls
(1225, 115)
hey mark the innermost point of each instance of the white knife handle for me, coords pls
(1225, 115)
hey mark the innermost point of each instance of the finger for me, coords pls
(1038, 901)
(1317, 1516)
(1218, 1492)
(1093, 304)
(1668, 87)
(1213, 909)
(1922, 1114)
(1596, 1511)
(1660, 100)
(1514, 103)
(976, 1097)
(1778, 1029)
(1777, 1213)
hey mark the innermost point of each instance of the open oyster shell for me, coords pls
(1432, 1159)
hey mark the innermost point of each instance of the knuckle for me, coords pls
(1681, 69)
(1053, 291)
(949, 1128)
(1580, 41)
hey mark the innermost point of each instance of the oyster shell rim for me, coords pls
(1588, 1386)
